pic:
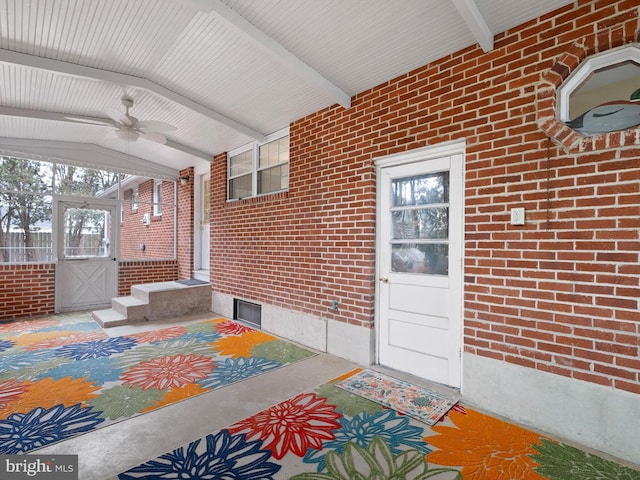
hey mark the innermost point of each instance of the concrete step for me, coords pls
(109, 318)
(134, 308)
(156, 301)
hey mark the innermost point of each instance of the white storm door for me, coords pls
(419, 309)
(204, 221)
(86, 272)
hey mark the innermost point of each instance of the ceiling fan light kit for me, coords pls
(127, 135)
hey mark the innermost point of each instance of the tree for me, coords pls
(86, 183)
(26, 200)
(19, 208)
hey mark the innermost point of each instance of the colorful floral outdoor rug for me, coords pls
(331, 434)
(61, 377)
(413, 400)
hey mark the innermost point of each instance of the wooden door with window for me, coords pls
(86, 238)
(419, 308)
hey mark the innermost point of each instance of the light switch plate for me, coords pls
(517, 216)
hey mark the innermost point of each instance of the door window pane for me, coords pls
(428, 223)
(86, 232)
(421, 189)
(420, 224)
(430, 259)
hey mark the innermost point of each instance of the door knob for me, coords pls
(384, 279)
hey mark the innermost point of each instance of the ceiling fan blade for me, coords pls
(117, 116)
(155, 126)
(154, 137)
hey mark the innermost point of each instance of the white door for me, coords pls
(86, 272)
(204, 213)
(419, 310)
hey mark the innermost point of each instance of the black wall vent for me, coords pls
(247, 312)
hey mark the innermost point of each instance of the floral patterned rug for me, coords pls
(331, 434)
(63, 376)
(413, 400)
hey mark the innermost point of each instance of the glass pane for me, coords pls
(157, 199)
(426, 223)
(274, 152)
(20, 175)
(273, 179)
(25, 228)
(432, 259)
(240, 187)
(241, 164)
(205, 208)
(86, 232)
(421, 189)
(84, 182)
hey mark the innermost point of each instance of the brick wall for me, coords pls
(145, 271)
(158, 236)
(26, 290)
(302, 249)
(559, 294)
(185, 231)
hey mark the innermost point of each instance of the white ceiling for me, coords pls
(224, 72)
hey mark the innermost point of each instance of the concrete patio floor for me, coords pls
(107, 451)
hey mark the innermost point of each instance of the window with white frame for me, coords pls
(134, 199)
(259, 169)
(602, 94)
(157, 198)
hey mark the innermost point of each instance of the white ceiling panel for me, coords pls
(224, 72)
(502, 15)
(361, 43)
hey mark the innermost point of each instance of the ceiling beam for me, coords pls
(82, 71)
(272, 48)
(61, 117)
(468, 10)
(84, 154)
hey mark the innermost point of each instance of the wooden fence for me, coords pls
(41, 250)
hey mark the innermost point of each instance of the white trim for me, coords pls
(157, 199)
(269, 138)
(586, 68)
(425, 153)
(469, 12)
(84, 155)
(254, 147)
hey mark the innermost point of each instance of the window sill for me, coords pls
(267, 197)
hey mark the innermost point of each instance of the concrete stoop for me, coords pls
(155, 301)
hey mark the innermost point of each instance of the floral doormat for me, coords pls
(331, 434)
(417, 402)
(60, 377)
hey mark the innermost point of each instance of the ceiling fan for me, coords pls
(128, 127)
